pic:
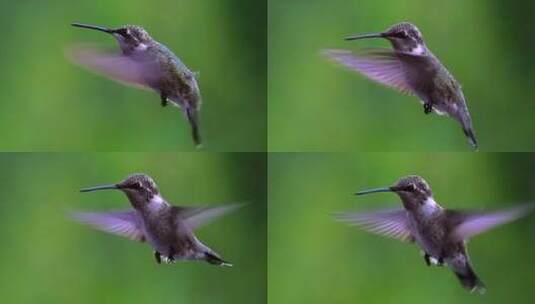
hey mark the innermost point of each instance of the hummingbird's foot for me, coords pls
(170, 258)
(428, 108)
(427, 259)
(163, 99)
(158, 257)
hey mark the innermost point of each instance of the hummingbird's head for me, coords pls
(138, 187)
(413, 191)
(131, 38)
(404, 36)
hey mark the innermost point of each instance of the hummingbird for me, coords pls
(442, 234)
(413, 69)
(168, 229)
(145, 63)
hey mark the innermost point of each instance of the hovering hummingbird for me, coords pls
(411, 68)
(146, 63)
(441, 233)
(166, 228)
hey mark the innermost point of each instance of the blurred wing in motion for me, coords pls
(380, 65)
(196, 217)
(392, 223)
(126, 70)
(466, 224)
(122, 223)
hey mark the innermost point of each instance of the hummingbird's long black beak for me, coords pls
(384, 189)
(366, 36)
(94, 27)
(103, 187)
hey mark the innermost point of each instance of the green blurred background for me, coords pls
(316, 105)
(314, 259)
(47, 258)
(75, 110)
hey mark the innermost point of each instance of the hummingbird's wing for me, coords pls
(126, 70)
(466, 224)
(380, 65)
(196, 217)
(122, 223)
(392, 223)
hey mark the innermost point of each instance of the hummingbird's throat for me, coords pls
(156, 202)
(419, 49)
(141, 47)
(429, 206)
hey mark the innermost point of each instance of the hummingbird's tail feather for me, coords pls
(469, 280)
(215, 260)
(193, 119)
(469, 132)
(463, 117)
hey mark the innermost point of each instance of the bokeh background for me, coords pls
(48, 258)
(314, 259)
(49, 104)
(317, 105)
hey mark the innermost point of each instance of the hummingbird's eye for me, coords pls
(411, 188)
(403, 34)
(123, 32)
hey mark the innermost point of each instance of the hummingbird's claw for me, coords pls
(434, 261)
(158, 257)
(170, 258)
(431, 261)
(428, 108)
(163, 99)
(426, 258)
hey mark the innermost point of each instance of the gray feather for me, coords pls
(379, 65)
(392, 223)
(196, 217)
(138, 72)
(467, 224)
(122, 223)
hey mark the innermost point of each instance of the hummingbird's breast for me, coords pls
(167, 234)
(158, 229)
(432, 82)
(429, 229)
(421, 71)
(176, 80)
